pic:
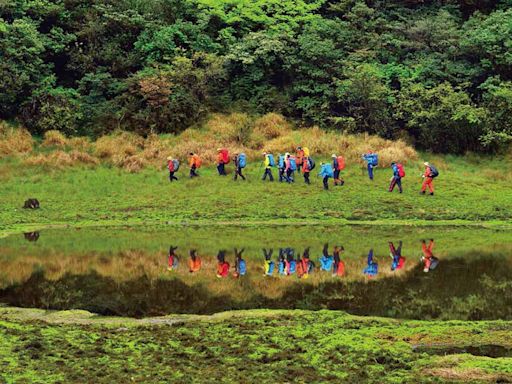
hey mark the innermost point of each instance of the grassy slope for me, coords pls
(468, 190)
(250, 346)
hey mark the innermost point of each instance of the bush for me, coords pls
(54, 138)
(271, 126)
(14, 141)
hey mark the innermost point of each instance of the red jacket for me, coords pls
(223, 269)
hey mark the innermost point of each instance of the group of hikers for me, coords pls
(288, 262)
(301, 162)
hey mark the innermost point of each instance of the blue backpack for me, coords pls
(242, 160)
(176, 165)
(242, 267)
(281, 161)
(271, 267)
(293, 266)
(327, 170)
(271, 161)
(311, 163)
(433, 171)
(281, 267)
(374, 159)
(293, 164)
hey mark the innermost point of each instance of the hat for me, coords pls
(169, 157)
(333, 155)
(426, 163)
(287, 154)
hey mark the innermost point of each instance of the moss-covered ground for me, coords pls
(249, 346)
(469, 190)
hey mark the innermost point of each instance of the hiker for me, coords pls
(281, 262)
(172, 259)
(338, 165)
(372, 160)
(291, 263)
(173, 166)
(290, 167)
(240, 161)
(396, 254)
(268, 163)
(326, 172)
(338, 268)
(269, 264)
(430, 262)
(372, 268)
(222, 160)
(396, 179)
(281, 166)
(304, 265)
(300, 158)
(326, 261)
(306, 169)
(240, 265)
(428, 178)
(194, 263)
(222, 265)
(195, 163)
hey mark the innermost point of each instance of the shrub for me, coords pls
(234, 127)
(271, 126)
(118, 145)
(14, 141)
(54, 138)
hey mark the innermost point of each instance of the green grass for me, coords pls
(249, 346)
(475, 190)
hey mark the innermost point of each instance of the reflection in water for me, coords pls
(303, 266)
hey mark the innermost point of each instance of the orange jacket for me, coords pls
(428, 172)
(300, 156)
(194, 265)
(194, 160)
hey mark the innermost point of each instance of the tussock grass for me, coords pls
(14, 141)
(60, 159)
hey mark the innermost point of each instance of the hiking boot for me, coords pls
(431, 193)
(422, 192)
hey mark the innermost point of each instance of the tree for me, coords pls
(497, 100)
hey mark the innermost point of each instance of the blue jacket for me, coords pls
(326, 263)
(371, 158)
(326, 171)
(395, 170)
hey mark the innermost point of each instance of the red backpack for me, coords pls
(225, 156)
(341, 163)
(401, 171)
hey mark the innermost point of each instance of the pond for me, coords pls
(441, 272)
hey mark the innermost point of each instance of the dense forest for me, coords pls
(438, 72)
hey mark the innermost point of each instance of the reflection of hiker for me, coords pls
(372, 160)
(326, 261)
(291, 263)
(338, 165)
(195, 163)
(396, 254)
(269, 264)
(268, 163)
(429, 260)
(304, 264)
(222, 160)
(172, 259)
(172, 166)
(396, 179)
(240, 265)
(338, 268)
(194, 263)
(372, 268)
(222, 264)
(240, 162)
(281, 262)
(428, 178)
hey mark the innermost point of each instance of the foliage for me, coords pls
(88, 67)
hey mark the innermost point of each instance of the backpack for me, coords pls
(242, 160)
(293, 266)
(271, 161)
(401, 170)
(327, 170)
(271, 267)
(176, 165)
(281, 161)
(341, 163)
(434, 262)
(225, 156)
(311, 163)
(306, 151)
(242, 267)
(293, 163)
(198, 162)
(433, 171)
(374, 159)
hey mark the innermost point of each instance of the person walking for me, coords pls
(396, 179)
(222, 160)
(396, 254)
(300, 158)
(240, 161)
(172, 166)
(268, 163)
(195, 164)
(282, 167)
(306, 169)
(326, 173)
(428, 178)
(372, 160)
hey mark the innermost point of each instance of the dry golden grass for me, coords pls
(14, 141)
(54, 138)
(237, 131)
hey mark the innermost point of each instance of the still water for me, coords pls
(403, 272)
